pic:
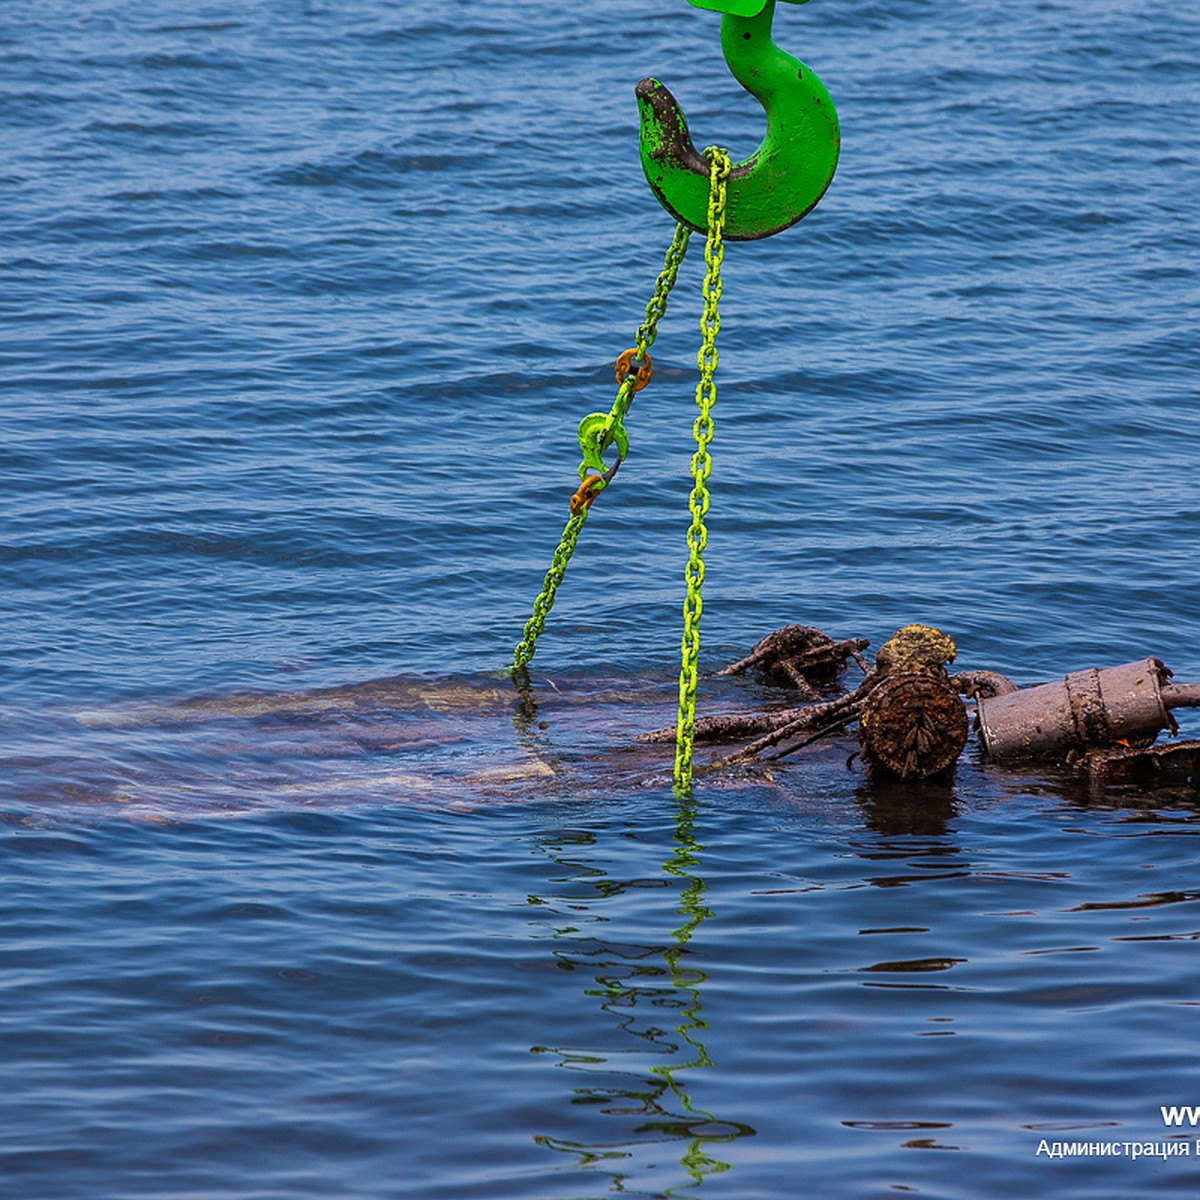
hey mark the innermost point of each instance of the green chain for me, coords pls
(545, 601)
(697, 537)
(648, 330)
(596, 433)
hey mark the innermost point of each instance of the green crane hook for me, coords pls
(788, 173)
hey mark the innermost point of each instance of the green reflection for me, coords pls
(633, 981)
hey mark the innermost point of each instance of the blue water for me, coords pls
(301, 305)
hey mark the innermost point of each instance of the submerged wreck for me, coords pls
(905, 713)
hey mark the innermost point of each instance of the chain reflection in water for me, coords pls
(627, 974)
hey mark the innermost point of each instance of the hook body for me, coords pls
(792, 167)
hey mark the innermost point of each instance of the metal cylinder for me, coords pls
(1087, 708)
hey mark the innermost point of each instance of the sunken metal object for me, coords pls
(913, 723)
(1086, 709)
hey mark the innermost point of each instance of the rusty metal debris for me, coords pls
(913, 723)
(1126, 704)
(804, 655)
(914, 728)
(1147, 766)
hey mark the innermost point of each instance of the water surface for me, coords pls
(301, 308)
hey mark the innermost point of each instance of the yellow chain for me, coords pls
(697, 537)
(581, 503)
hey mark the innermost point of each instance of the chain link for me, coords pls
(697, 537)
(648, 330)
(612, 429)
(545, 601)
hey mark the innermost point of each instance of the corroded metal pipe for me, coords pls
(1181, 695)
(1086, 709)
